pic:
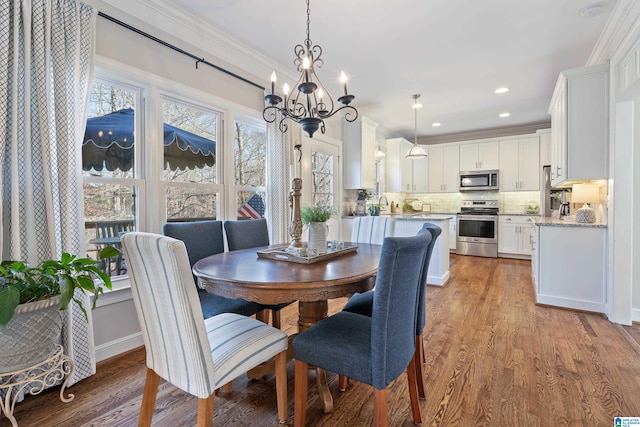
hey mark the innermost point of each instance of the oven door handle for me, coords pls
(478, 217)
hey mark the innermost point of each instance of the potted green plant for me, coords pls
(31, 301)
(315, 218)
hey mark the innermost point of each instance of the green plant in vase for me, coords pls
(315, 218)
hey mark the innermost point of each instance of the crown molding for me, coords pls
(623, 19)
(175, 21)
(484, 134)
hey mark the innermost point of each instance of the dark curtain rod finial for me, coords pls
(199, 61)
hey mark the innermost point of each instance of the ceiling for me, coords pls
(454, 53)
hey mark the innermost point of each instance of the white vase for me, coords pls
(318, 237)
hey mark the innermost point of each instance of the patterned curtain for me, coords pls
(47, 48)
(279, 160)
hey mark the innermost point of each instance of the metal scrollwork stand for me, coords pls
(41, 376)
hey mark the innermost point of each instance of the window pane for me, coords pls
(322, 171)
(110, 210)
(184, 203)
(108, 147)
(190, 137)
(250, 154)
(251, 204)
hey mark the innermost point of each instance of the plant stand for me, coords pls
(45, 374)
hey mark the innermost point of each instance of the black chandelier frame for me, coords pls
(313, 103)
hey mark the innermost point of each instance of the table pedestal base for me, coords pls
(41, 376)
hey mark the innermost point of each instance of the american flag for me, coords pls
(253, 208)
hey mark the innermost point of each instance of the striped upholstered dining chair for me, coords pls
(195, 354)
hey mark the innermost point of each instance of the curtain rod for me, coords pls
(177, 49)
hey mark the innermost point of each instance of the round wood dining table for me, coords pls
(242, 274)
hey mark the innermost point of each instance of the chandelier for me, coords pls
(416, 152)
(312, 103)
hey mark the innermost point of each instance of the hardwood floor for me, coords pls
(493, 358)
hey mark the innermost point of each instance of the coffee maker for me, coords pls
(564, 205)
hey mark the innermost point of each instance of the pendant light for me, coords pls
(416, 152)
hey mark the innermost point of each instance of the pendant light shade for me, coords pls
(416, 152)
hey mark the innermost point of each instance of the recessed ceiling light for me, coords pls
(504, 115)
(591, 11)
(502, 90)
(435, 125)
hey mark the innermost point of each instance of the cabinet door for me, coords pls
(406, 172)
(525, 237)
(420, 175)
(469, 157)
(509, 177)
(488, 155)
(507, 236)
(529, 164)
(534, 259)
(435, 170)
(451, 169)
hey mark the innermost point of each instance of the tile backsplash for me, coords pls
(509, 202)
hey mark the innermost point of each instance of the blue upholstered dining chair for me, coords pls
(196, 355)
(374, 350)
(252, 233)
(363, 304)
(202, 239)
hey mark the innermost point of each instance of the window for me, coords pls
(109, 162)
(249, 168)
(190, 135)
(322, 172)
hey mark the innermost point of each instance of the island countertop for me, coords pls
(555, 222)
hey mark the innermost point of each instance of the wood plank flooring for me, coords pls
(493, 358)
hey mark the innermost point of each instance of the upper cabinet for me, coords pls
(479, 156)
(520, 164)
(359, 145)
(579, 125)
(404, 175)
(444, 169)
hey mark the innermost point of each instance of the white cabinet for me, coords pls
(479, 156)
(444, 169)
(359, 144)
(404, 175)
(520, 164)
(571, 264)
(515, 236)
(453, 233)
(579, 125)
(534, 258)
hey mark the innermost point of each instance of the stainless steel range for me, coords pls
(478, 228)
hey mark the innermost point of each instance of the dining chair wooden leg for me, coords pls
(275, 318)
(413, 392)
(228, 387)
(380, 410)
(149, 398)
(417, 361)
(281, 385)
(343, 382)
(424, 356)
(205, 411)
(263, 316)
(300, 394)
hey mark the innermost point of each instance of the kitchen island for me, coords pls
(409, 224)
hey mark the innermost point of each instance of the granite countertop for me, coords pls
(518, 214)
(419, 216)
(555, 222)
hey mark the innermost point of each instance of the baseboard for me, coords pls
(575, 304)
(438, 281)
(635, 315)
(115, 347)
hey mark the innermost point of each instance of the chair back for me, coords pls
(435, 232)
(169, 312)
(202, 238)
(244, 234)
(113, 228)
(393, 319)
(371, 229)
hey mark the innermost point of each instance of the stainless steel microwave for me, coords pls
(479, 181)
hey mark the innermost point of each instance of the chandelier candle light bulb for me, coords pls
(273, 82)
